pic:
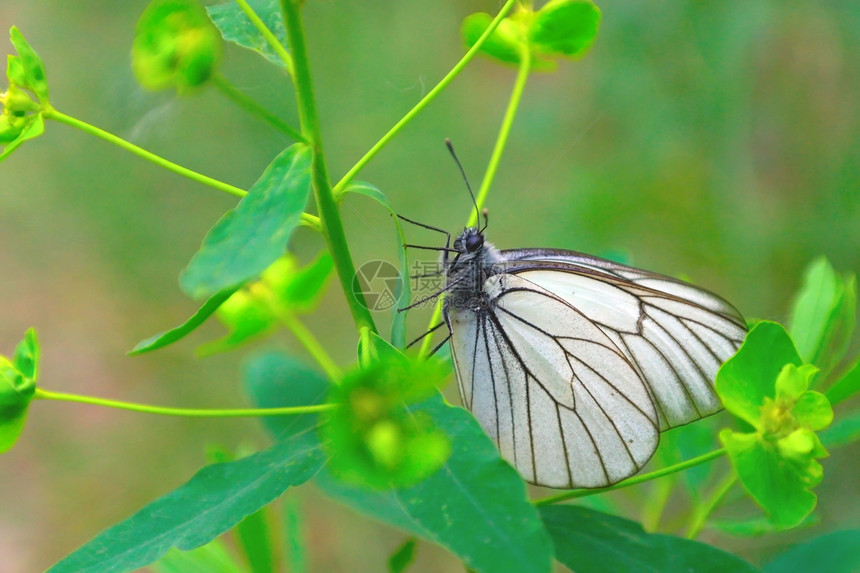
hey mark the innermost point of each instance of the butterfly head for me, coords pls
(470, 241)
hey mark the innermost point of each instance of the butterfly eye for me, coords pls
(474, 242)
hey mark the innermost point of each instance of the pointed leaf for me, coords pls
(252, 236)
(823, 312)
(32, 71)
(398, 325)
(589, 541)
(34, 129)
(26, 357)
(846, 386)
(842, 322)
(167, 337)
(213, 501)
(235, 26)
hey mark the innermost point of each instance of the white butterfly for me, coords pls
(574, 364)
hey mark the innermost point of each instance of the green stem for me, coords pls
(332, 227)
(490, 173)
(268, 35)
(577, 493)
(308, 220)
(51, 113)
(504, 131)
(251, 106)
(367, 354)
(186, 412)
(431, 95)
(700, 516)
(311, 344)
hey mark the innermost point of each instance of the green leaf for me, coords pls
(844, 319)
(211, 558)
(235, 26)
(589, 541)
(378, 349)
(398, 325)
(26, 357)
(175, 45)
(300, 290)
(565, 27)
(823, 314)
(218, 497)
(253, 235)
(30, 73)
(745, 379)
(833, 552)
(274, 380)
(167, 337)
(813, 411)
(246, 317)
(845, 387)
(34, 128)
(777, 484)
(475, 506)
(813, 306)
(16, 393)
(757, 526)
(504, 44)
(401, 559)
(845, 430)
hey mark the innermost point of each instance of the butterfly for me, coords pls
(574, 364)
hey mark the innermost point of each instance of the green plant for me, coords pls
(385, 409)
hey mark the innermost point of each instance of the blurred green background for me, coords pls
(717, 140)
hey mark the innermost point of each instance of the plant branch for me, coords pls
(332, 227)
(307, 219)
(504, 131)
(185, 412)
(431, 95)
(51, 113)
(253, 107)
(490, 173)
(577, 493)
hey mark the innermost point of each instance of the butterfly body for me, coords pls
(573, 364)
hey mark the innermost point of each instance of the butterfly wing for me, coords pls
(563, 403)
(676, 335)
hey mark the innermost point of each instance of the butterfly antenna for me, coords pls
(466, 179)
